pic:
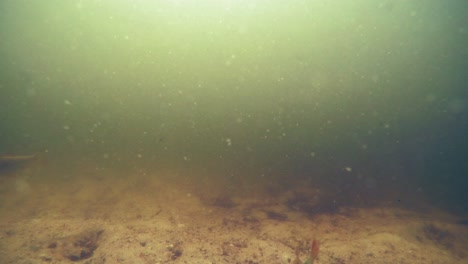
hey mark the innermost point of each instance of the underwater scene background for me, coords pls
(300, 109)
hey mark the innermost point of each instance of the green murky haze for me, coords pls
(360, 95)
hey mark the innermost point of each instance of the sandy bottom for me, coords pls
(156, 218)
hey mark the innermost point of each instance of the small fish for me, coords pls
(7, 158)
(10, 163)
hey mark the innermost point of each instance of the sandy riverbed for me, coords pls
(164, 218)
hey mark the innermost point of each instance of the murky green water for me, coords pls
(366, 99)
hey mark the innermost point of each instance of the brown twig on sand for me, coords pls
(314, 250)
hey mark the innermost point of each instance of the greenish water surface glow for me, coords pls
(363, 97)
